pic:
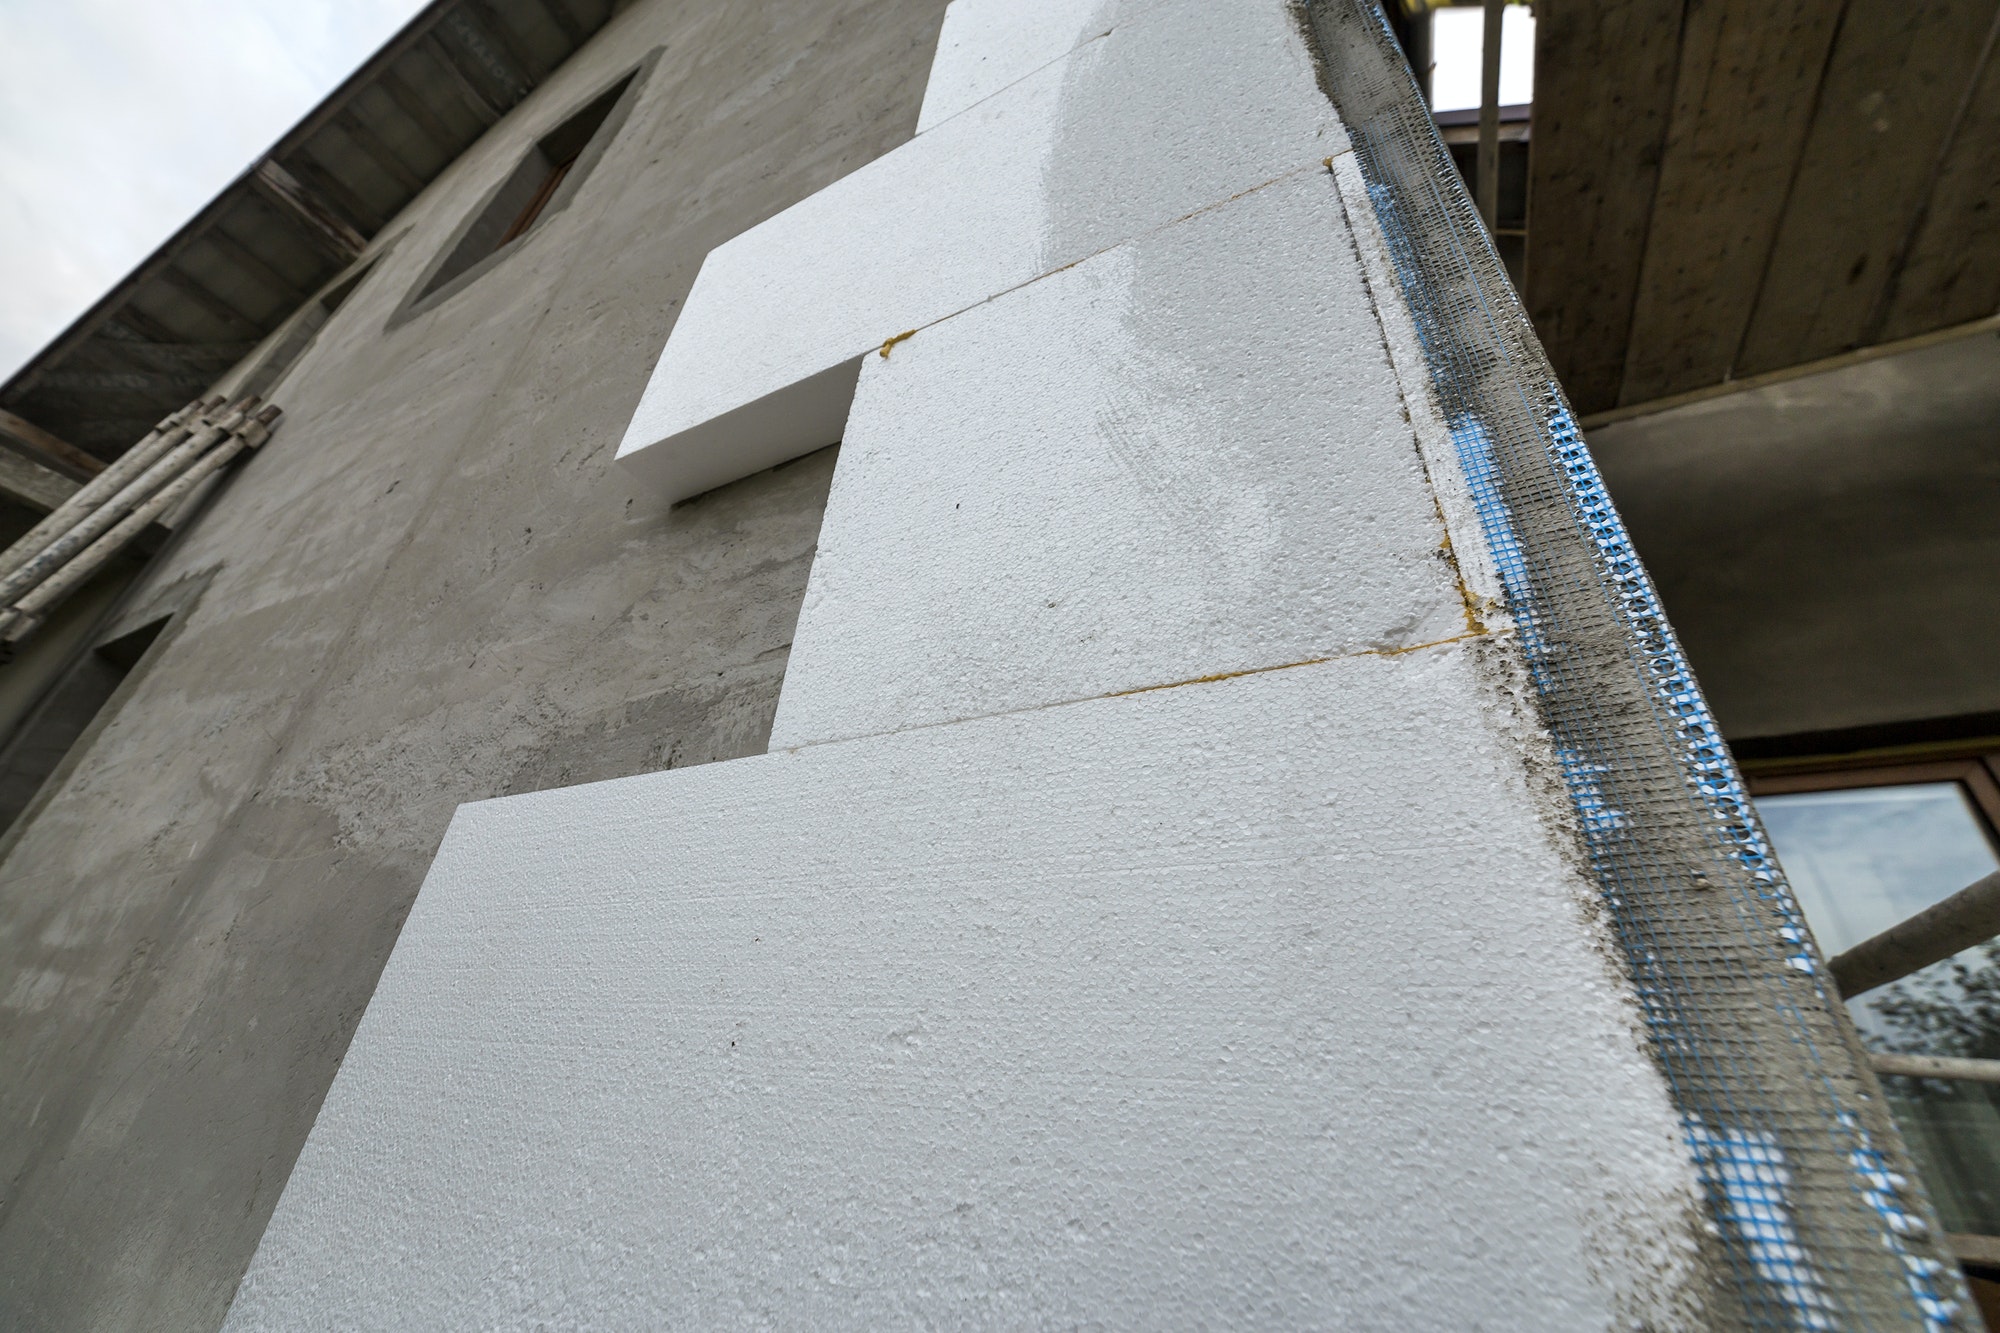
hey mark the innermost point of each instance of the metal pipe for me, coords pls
(1970, 916)
(1488, 174)
(1936, 1066)
(25, 614)
(53, 556)
(171, 431)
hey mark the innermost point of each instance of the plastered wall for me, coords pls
(1826, 545)
(1157, 907)
(430, 587)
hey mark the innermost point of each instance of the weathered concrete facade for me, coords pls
(431, 587)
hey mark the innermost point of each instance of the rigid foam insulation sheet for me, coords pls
(1812, 1197)
(1176, 1009)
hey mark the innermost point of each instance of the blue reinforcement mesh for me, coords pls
(1815, 1223)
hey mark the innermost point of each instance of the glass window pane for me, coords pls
(1862, 860)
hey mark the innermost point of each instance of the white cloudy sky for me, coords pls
(119, 119)
(1456, 36)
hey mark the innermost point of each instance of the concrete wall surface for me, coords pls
(1159, 906)
(430, 587)
(1826, 546)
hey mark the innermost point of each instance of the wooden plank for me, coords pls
(459, 33)
(310, 169)
(1744, 384)
(1893, 87)
(572, 28)
(314, 215)
(27, 482)
(1952, 272)
(1603, 93)
(33, 438)
(1744, 98)
(139, 323)
(493, 25)
(243, 257)
(412, 105)
(476, 99)
(197, 291)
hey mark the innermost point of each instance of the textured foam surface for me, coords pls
(987, 45)
(1186, 105)
(1268, 1002)
(1186, 455)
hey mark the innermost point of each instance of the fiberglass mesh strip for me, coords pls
(1815, 1223)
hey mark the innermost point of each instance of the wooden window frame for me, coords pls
(1978, 774)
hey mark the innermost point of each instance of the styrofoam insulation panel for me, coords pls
(1264, 1002)
(986, 45)
(1187, 104)
(1284, 998)
(1183, 456)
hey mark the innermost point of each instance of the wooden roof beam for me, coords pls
(27, 482)
(215, 305)
(306, 167)
(496, 27)
(313, 214)
(484, 109)
(134, 320)
(471, 37)
(572, 28)
(244, 257)
(28, 439)
(410, 104)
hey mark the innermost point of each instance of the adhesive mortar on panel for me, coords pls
(1183, 456)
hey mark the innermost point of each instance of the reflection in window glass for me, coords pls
(1860, 861)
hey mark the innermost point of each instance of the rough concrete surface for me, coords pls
(1826, 545)
(431, 587)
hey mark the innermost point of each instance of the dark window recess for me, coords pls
(534, 190)
(301, 334)
(52, 729)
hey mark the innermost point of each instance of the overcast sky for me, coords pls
(119, 119)
(1456, 36)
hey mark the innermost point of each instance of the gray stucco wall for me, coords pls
(1826, 546)
(431, 587)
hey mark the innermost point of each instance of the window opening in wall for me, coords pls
(1894, 846)
(301, 333)
(52, 729)
(535, 205)
(543, 182)
(1457, 43)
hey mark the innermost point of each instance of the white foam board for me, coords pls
(1186, 105)
(1183, 456)
(987, 45)
(1267, 1002)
